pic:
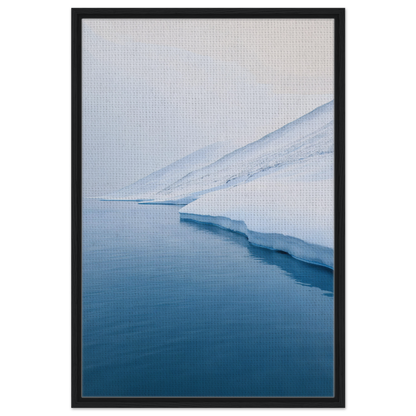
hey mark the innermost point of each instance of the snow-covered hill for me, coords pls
(147, 188)
(196, 175)
(288, 204)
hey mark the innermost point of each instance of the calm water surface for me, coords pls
(175, 308)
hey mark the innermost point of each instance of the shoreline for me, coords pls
(298, 249)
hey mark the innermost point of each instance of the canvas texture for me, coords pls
(208, 207)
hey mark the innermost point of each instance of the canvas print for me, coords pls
(207, 207)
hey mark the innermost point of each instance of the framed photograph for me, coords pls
(208, 207)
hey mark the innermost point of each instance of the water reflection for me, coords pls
(303, 273)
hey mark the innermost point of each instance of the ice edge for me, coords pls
(298, 249)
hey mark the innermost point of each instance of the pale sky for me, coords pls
(155, 90)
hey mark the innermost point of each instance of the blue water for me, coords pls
(175, 308)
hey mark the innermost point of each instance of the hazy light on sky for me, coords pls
(285, 53)
(155, 90)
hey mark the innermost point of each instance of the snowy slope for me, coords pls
(147, 187)
(211, 168)
(288, 204)
(305, 137)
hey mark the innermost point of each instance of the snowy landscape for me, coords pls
(277, 191)
(208, 198)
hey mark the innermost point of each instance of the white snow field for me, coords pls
(278, 190)
(290, 210)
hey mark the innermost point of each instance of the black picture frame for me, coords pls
(338, 14)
